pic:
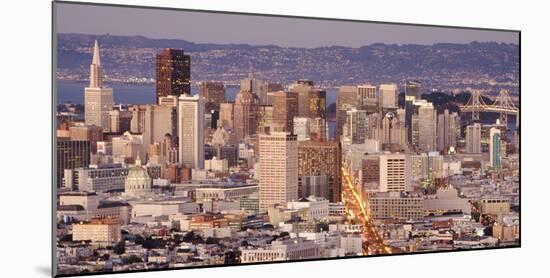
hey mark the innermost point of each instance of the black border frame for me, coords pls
(54, 124)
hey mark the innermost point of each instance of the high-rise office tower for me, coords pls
(153, 122)
(413, 88)
(426, 127)
(370, 171)
(301, 128)
(395, 172)
(226, 115)
(317, 103)
(393, 129)
(317, 158)
(448, 125)
(473, 138)
(318, 129)
(302, 88)
(71, 154)
(119, 121)
(245, 114)
(346, 100)
(173, 73)
(410, 110)
(495, 148)
(268, 88)
(278, 171)
(82, 132)
(253, 85)
(388, 96)
(285, 108)
(212, 117)
(368, 100)
(388, 128)
(191, 131)
(98, 99)
(264, 119)
(213, 93)
(356, 126)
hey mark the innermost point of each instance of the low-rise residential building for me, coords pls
(102, 231)
(495, 205)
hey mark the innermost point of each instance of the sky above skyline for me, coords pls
(218, 28)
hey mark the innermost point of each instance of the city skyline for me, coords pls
(276, 172)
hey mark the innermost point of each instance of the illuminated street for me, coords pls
(357, 213)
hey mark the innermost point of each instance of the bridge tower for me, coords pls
(475, 104)
(504, 102)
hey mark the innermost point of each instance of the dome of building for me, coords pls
(138, 181)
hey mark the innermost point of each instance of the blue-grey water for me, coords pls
(122, 93)
(138, 93)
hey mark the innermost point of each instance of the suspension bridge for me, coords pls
(503, 105)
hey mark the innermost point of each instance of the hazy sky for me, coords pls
(255, 30)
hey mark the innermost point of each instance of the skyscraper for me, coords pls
(119, 120)
(370, 171)
(447, 130)
(92, 133)
(346, 100)
(191, 131)
(426, 127)
(226, 115)
(153, 122)
(316, 158)
(368, 100)
(473, 138)
(495, 148)
(245, 114)
(213, 93)
(98, 99)
(278, 172)
(318, 129)
(254, 86)
(173, 73)
(264, 119)
(395, 172)
(301, 128)
(410, 110)
(356, 126)
(71, 154)
(302, 88)
(388, 96)
(393, 130)
(317, 103)
(285, 108)
(413, 88)
(267, 89)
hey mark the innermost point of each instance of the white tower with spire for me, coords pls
(98, 99)
(96, 80)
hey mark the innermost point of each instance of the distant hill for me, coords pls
(491, 66)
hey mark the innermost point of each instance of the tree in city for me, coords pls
(120, 248)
